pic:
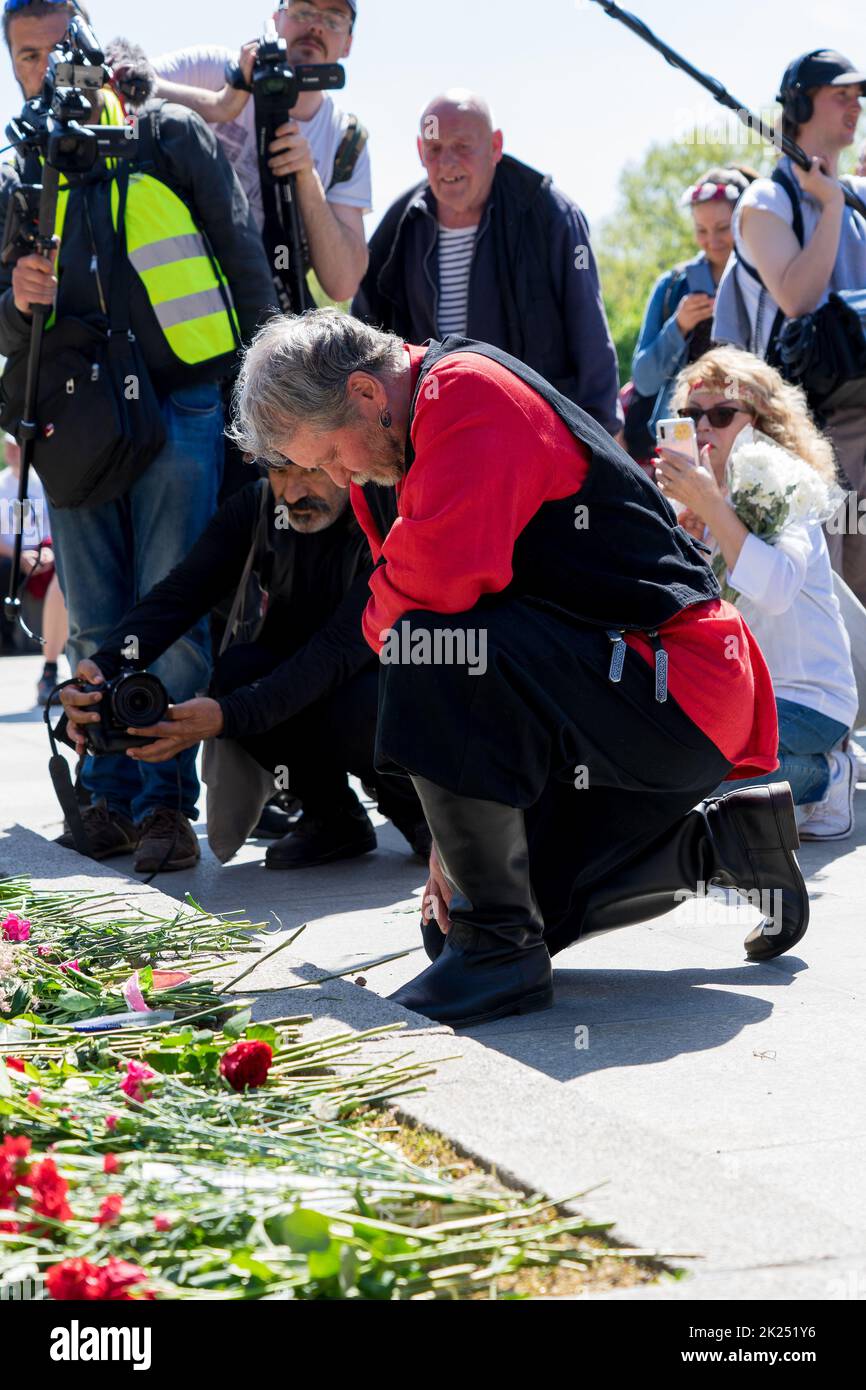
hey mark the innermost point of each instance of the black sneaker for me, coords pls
(167, 842)
(323, 839)
(276, 821)
(109, 832)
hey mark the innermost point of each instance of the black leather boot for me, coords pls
(493, 962)
(745, 841)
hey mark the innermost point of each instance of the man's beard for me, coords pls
(388, 460)
(311, 514)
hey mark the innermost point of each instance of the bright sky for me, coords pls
(576, 93)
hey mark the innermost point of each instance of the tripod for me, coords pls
(276, 89)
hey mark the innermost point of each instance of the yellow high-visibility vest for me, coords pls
(184, 283)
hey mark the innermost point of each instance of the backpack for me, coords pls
(639, 441)
(823, 352)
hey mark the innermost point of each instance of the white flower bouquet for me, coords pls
(770, 488)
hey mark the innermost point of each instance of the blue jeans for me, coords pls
(805, 739)
(109, 557)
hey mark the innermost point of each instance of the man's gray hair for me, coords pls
(296, 372)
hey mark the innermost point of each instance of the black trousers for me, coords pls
(323, 744)
(601, 770)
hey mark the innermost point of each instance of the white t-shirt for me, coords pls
(456, 249)
(205, 67)
(34, 516)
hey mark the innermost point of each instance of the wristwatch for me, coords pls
(235, 78)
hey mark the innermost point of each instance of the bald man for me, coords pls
(490, 249)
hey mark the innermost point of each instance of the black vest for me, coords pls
(623, 562)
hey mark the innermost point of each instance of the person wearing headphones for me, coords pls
(797, 242)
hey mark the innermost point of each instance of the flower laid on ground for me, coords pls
(34, 1097)
(268, 1196)
(245, 1065)
(14, 1152)
(48, 1191)
(14, 1063)
(137, 1076)
(79, 1280)
(10, 977)
(15, 928)
(109, 1210)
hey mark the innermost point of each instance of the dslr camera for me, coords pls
(133, 700)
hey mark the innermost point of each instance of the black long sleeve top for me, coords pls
(317, 587)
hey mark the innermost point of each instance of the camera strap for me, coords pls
(61, 780)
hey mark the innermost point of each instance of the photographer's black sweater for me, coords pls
(317, 587)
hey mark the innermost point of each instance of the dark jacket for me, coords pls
(534, 288)
(630, 565)
(188, 158)
(317, 587)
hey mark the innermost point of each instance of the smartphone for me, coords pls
(680, 437)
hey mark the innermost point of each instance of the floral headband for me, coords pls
(710, 192)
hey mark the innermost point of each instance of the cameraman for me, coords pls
(108, 554)
(324, 147)
(303, 694)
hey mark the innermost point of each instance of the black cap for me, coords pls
(824, 67)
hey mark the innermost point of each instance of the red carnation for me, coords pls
(49, 1191)
(246, 1064)
(13, 1166)
(78, 1280)
(109, 1211)
(110, 1163)
(14, 1063)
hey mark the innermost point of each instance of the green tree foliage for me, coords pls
(649, 232)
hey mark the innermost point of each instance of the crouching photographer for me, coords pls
(155, 263)
(296, 689)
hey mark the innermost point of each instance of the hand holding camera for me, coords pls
(34, 282)
(132, 714)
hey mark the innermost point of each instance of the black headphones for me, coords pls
(797, 105)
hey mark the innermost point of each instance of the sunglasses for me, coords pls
(719, 416)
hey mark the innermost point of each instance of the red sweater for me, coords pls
(488, 453)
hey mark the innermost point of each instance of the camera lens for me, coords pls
(138, 700)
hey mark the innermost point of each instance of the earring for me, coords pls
(385, 419)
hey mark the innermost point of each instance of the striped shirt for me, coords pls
(456, 248)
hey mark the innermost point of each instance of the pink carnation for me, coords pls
(137, 1074)
(69, 965)
(15, 928)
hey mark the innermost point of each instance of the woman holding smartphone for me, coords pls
(678, 319)
(786, 588)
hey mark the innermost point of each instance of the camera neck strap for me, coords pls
(118, 294)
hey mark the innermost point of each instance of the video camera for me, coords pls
(50, 124)
(277, 86)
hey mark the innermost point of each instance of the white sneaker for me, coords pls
(860, 754)
(833, 818)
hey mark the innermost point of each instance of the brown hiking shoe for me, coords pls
(167, 843)
(109, 832)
